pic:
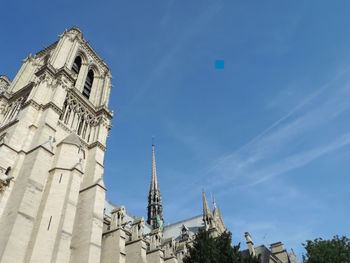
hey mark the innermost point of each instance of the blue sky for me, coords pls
(268, 135)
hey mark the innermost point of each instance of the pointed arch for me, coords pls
(77, 64)
(88, 84)
(81, 53)
(95, 69)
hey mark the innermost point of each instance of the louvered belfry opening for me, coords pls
(77, 65)
(88, 84)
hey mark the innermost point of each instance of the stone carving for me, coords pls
(155, 238)
(2, 108)
(118, 215)
(79, 117)
(5, 179)
(185, 233)
(4, 84)
(12, 109)
(49, 143)
(30, 58)
(169, 247)
(137, 228)
(71, 34)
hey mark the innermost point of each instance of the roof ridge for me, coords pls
(187, 219)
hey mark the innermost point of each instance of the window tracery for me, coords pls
(4, 84)
(78, 117)
(11, 110)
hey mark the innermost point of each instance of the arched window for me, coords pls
(76, 65)
(88, 84)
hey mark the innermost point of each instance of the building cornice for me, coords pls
(87, 47)
(155, 250)
(8, 125)
(116, 229)
(46, 50)
(19, 93)
(66, 169)
(52, 106)
(55, 73)
(38, 147)
(135, 241)
(75, 33)
(97, 144)
(92, 186)
(100, 110)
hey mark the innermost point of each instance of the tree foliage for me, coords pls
(206, 249)
(336, 250)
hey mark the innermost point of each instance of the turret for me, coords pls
(207, 213)
(250, 243)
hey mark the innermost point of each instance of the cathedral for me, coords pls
(54, 122)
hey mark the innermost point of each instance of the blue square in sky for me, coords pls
(219, 64)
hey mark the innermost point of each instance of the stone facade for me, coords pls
(54, 122)
(52, 144)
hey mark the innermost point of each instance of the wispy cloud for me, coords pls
(273, 153)
(265, 157)
(165, 19)
(189, 33)
(299, 159)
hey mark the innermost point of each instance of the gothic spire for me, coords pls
(155, 209)
(206, 209)
(207, 214)
(154, 181)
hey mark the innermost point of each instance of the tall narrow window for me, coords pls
(88, 84)
(76, 65)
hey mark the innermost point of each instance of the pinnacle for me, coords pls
(154, 179)
(206, 209)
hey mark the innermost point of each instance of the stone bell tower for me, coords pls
(54, 122)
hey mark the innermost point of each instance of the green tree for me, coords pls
(336, 250)
(206, 249)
